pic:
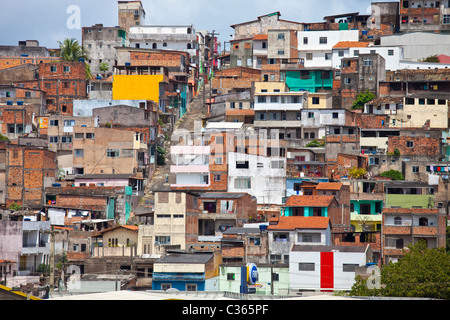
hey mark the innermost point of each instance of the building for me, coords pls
(187, 272)
(244, 245)
(103, 150)
(359, 74)
(29, 171)
(100, 44)
(119, 240)
(325, 268)
(404, 226)
(219, 211)
(424, 15)
(176, 222)
(130, 13)
(287, 231)
(316, 47)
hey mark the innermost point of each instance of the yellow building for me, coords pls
(137, 87)
(417, 111)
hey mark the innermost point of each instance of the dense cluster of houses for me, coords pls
(322, 150)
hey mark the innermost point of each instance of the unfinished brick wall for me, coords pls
(28, 169)
(414, 145)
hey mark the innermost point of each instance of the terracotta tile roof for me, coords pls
(129, 227)
(309, 201)
(329, 186)
(260, 37)
(350, 44)
(292, 223)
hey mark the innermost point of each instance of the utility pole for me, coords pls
(52, 260)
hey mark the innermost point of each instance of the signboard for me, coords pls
(43, 123)
(252, 273)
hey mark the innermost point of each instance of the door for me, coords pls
(326, 270)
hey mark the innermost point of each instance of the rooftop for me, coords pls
(350, 44)
(309, 201)
(292, 223)
(329, 186)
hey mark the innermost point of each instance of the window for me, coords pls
(323, 40)
(217, 177)
(335, 115)
(327, 56)
(112, 153)
(347, 80)
(90, 135)
(162, 240)
(305, 40)
(79, 153)
(340, 53)
(242, 183)
(53, 139)
(410, 144)
(415, 169)
(66, 139)
(423, 222)
(349, 267)
(69, 123)
(409, 101)
(242, 165)
(54, 123)
(79, 135)
(398, 221)
(274, 99)
(356, 53)
(281, 36)
(231, 276)
(368, 62)
(66, 69)
(218, 160)
(52, 68)
(446, 19)
(306, 266)
(310, 115)
(261, 99)
(390, 52)
(309, 56)
(281, 52)
(191, 287)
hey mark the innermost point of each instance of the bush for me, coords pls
(393, 174)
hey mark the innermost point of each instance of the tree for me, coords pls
(357, 173)
(316, 144)
(70, 50)
(421, 272)
(434, 58)
(104, 67)
(393, 174)
(362, 99)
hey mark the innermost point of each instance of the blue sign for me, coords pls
(252, 273)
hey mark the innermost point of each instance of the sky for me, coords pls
(50, 21)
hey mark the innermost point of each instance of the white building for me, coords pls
(169, 37)
(393, 56)
(284, 232)
(325, 267)
(261, 176)
(191, 166)
(316, 47)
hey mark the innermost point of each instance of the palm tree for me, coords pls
(70, 50)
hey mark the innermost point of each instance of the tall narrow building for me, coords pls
(131, 13)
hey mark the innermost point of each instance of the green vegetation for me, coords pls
(316, 143)
(362, 99)
(393, 174)
(357, 173)
(70, 50)
(422, 272)
(160, 159)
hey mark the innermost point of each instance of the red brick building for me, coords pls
(29, 170)
(404, 226)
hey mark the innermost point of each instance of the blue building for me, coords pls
(187, 272)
